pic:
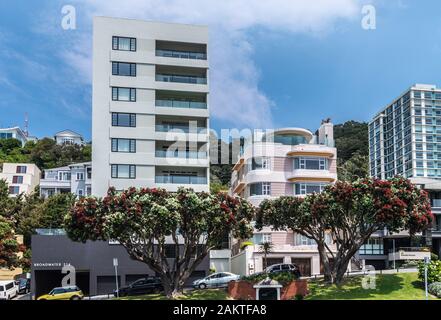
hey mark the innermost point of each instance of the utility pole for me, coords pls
(115, 264)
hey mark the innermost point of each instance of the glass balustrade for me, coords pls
(181, 54)
(181, 180)
(179, 128)
(181, 154)
(181, 79)
(170, 103)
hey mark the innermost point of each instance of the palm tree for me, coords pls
(266, 248)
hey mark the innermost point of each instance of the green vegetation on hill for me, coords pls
(45, 153)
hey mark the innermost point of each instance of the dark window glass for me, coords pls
(124, 69)
(124, 43)
(123, 120)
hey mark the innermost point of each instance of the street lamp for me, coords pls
(115, 264)
(426, 262)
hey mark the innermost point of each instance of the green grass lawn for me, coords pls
(207, 294)
(401, 286)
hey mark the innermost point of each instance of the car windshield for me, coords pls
(57, 291)
(2, 288)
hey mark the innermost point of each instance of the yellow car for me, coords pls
(63, 293)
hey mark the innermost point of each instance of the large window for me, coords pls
(17, 179)
(64, 176)
(311, 163)
(301, 240)
(372, 246)
(124, 43)
(260, 189)
(123, 171)
(308, 188)
(261, 163)
(266, 237)
(124, 69)
(123, 94)
(124, 145)
(21, 169)
(14, 190)
(123, 119)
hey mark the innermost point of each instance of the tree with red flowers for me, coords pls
(170, 232)
(349, 212)
(9, 246)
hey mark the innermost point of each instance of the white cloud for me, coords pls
(235, 94)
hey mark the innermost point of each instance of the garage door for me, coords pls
(304, 265)
(106, 284)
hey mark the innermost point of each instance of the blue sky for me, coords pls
(287, 64)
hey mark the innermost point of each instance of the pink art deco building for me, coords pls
(289, 161)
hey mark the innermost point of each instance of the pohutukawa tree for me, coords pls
(150, 223)
(349, 213)
(9, 246)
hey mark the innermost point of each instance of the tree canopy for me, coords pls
(349, 213)
(154, 225)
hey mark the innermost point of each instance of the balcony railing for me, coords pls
(179, 128)
(181, 104)
(181, 54)
(181, 180)
(181, 154)
(181, 79)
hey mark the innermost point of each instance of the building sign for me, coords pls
(50, 264)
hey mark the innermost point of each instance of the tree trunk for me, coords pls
(172, 289)
(340, 269)
(328, 276)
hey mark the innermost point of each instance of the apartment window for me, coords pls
(124, 69)
(80, 193)
(266, 237)
(372, 246)
(123, 145)
(80, 176)
(261, 163)
(301, 240)
(21, 169)
(308, 188)
(17, 179)
(124, 43)
(311, 163)
(89, 173)
(260, 189)
(123, 171)
(123, 94)
(14, 190)
(123, 119)
(64, 176)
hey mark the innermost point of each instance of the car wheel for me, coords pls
(75, 298)
(202, 286)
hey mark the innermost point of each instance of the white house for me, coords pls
(68, 137)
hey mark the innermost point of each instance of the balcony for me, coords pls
(170, 103)
(312, 175)
(181, 54)
(180, 180)
(181, 154)
(180, 129)
(181, 79)
(410, 253)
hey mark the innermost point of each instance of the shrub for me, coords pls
(435, 289)
(433, 257)
(298, 297)
(433, 271)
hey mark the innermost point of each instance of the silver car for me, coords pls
(216, 280)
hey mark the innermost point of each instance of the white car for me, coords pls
(216, 280)
(8, 290)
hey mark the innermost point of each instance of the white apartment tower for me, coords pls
(150, 105)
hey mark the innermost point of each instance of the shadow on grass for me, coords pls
(207, 294)
(352, 288)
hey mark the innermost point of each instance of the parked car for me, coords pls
(23, 285)
(140, 287)
(216, 280)
(8, 290)
(284, 267)
(63, 293)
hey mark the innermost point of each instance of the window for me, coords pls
(14, 190)
(80, 193)
(17, 179)
(124, 69)
(123, 119)
(124, 43)
(261, 163)
(63, 176)
(311, 163)
(266, 237)
(80, 176)
(123, 171)
(89, 173)
(372, 246)
(21, 169)
(124, 145)
(301, 240)
(308, 188)
(123, 94)
(260, 189)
